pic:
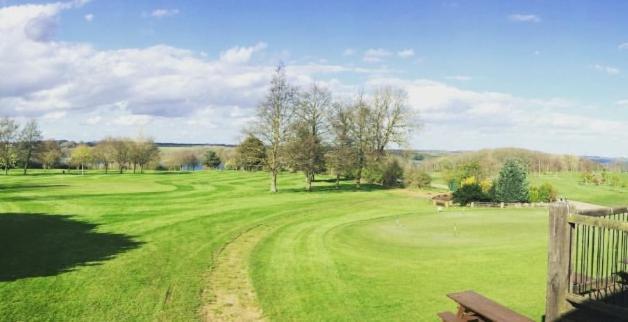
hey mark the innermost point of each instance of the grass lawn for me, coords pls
(149, 247)
(569, 186)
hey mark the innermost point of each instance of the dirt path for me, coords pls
(230, 289)
(583, 206)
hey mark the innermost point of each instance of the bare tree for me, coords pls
(143, 152)
(8, 137)
(104, 153)
(274, 118)
(341, 158)
(361, 136)
(391, 119)
(122, 153)
(30, 138)
(305, 147)
(50, 154)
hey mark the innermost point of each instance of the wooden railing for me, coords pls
(587, 261)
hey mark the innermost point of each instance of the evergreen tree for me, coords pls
(512, 184)
(212, 160)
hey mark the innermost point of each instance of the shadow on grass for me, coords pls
(33, 245)
(344, 187)
(17, 188)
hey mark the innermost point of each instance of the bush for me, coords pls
(469, 193)
(512, 184)
(392, 174)
(543, 193)
(416, 178)
(387, 173)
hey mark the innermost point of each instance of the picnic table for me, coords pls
(475, 307)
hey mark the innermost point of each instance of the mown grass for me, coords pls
(569, 186)
(139, 247)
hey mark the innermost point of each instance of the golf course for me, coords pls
(208, 245)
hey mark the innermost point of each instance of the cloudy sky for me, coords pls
(547, 75)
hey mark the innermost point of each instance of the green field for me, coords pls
(150, 247)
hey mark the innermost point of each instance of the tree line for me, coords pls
(307, 130)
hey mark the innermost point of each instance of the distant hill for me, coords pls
(492, 160)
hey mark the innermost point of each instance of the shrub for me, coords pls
(211, 159)
(469, 193)
(512, 184)
(416, 178)
(392, 174)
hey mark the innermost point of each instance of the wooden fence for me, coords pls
(587, 261)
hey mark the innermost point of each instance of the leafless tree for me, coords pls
(8, 138)
(274, 118)
(29, 139)
(104, 152)
(50, 154)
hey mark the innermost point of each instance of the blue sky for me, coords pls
(547, 75)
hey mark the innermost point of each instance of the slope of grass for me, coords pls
(139, 248)
(570, 187)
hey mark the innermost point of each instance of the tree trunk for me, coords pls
(273, 181)
(358, 178)
(106, 167)
(337, 181)
(308, 182)
(82, 169)
(27, 161)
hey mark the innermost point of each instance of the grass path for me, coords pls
(229, 293)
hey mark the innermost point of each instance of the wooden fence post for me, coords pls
(559, 245)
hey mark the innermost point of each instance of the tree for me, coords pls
(305, 153)
(182, 159)
(8, 137)
(81, 155)
(391, 119)
(30, 138)
(341, 158)
(50, 154)
(512, 183)
(361, 117)
(274, 118)
(104, 153)
(121, 148)
(212, 160)
(141, 152)
(305, 147)
(251, 154)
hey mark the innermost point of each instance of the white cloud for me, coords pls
(623, 46)
(180, 95)
(160, 13)
(89, 17)
(348, 52)
(133, 120)
(375, 55)
(238, 55)
(517, 17)
(622, 103)
(610, 70)
(458, 77)
(406, 53)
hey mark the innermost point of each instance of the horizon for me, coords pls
(522, 74)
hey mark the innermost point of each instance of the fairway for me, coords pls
(168, 246)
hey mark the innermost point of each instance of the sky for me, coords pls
(543, 75)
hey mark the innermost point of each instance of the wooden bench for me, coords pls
(475, 307)
(448, 317)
